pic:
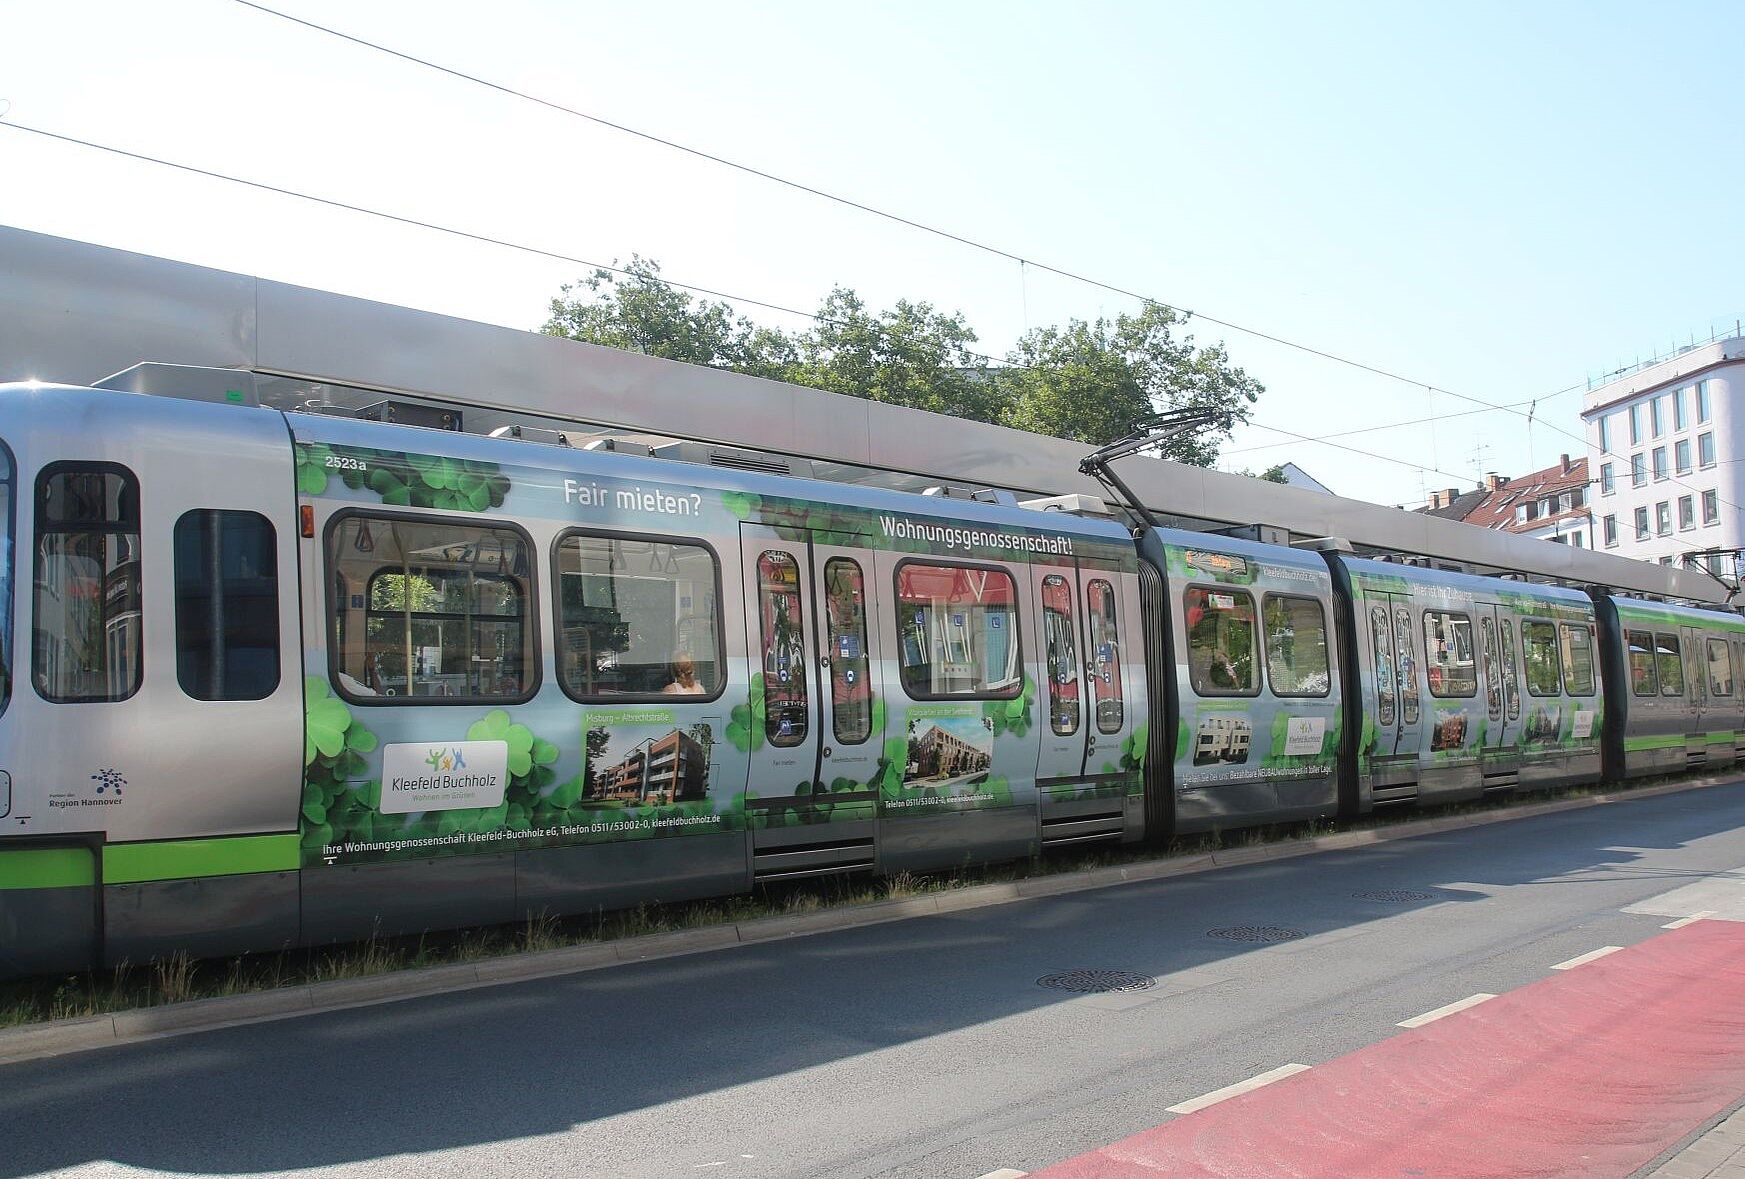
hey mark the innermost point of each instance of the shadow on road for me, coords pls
(528, 1059)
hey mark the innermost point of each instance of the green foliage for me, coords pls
(638, 311)
(1086, 381)
(1091, 381)
(745, 723)
(1013, 716)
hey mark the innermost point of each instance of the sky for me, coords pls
(1491, 201)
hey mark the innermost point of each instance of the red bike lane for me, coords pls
(1590, 1072)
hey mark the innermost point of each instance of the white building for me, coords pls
(1663, 445)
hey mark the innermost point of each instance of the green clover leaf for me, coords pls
(325, 720)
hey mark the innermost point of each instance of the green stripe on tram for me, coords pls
(133, 863)
(1720, 738)
(47, 867)
(1637, 744)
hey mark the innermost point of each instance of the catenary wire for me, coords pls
(848, 202)
(558, 256)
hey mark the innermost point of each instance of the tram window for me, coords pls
(1296, 646)
(1670, 659)
(782, 623)
(636, 617)
(227, 605)
(86, 643)
(1643, 681)
(1381, 640)
(1720, 668)
(1511, 677)
(1578, 659)
(1105, 655)
(850, 690)
(1407, 651)
(1493, 682)
(956, 627)
(1539, 653)
(1450, 665)
(430, 612)
(1061, 655)
(1220, 624)
(6, 552)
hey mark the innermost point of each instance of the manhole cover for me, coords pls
(1256, 933)
(1394, 894)
(1097, 982)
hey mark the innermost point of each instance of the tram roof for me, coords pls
(76, 313)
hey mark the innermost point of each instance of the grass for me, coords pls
(178, 978)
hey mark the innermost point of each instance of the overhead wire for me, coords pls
(330, 202)
(1024, 261)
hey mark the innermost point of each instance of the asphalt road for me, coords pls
(923, 1048)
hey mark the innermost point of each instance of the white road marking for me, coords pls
(1721, 895)
(1004, 1173)
(1684, 921)
(1418, 1021)
(1584, 959)
(1238, 1089)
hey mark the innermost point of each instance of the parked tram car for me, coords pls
(272, 680)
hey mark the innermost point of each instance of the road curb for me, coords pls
(56, 1037)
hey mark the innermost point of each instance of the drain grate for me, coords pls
(1097, 982)
(1256, 933)
(1394, 894)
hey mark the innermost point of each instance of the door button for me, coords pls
(827, 751)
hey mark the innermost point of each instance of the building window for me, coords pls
(1605, 433)
(1523, 513)
(1610, 525)
(1220, 625)
(956, 635)
(1636, 424)
(1711, 507)
(1663, 518)
(86, 644)
(1702, 402)
(1638, 470)
(1687, 513)
(1678, 422)
(430, 612)
(1681, 455)
(1667, 561)
(1660, 462)
(1706, 449)
(1657, 415)
(1641, 523)
(1606, 485)
(1576, 539)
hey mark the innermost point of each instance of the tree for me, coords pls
(911, 355)
(639, 311)
(1091, 382)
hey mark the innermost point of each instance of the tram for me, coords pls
(276, 679)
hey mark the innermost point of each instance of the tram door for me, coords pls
(1696, 677)
(1502, 702)
(1395, 668)
(1061, 635)
(812, 678)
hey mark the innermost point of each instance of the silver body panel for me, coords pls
(191, 767)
